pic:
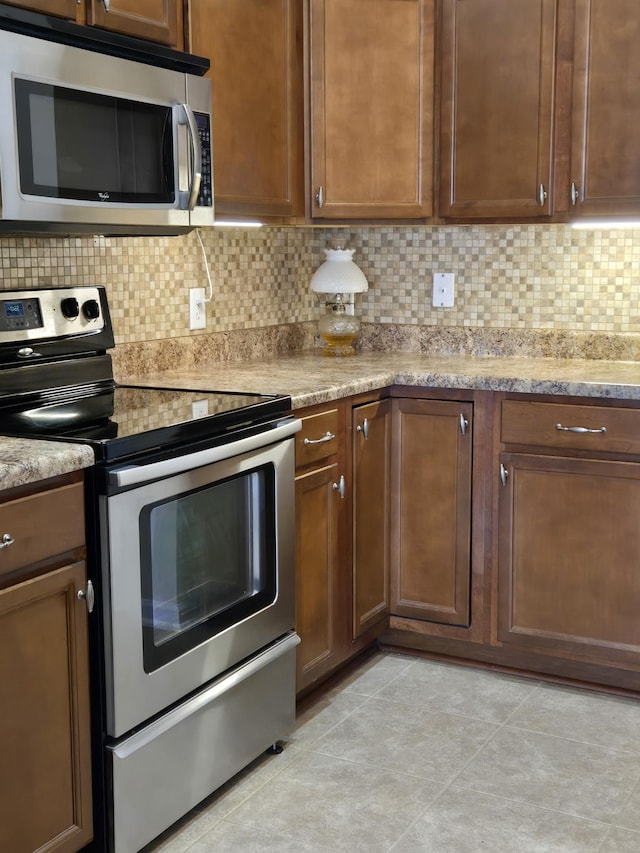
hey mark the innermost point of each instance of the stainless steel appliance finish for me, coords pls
(191, 549)
(135, 693)
(91, 142)
(200, 744)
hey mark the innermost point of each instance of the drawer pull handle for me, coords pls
(329, 436)
(7, 540)
(581, 430)
(364, 429)
(88, 596)
(339, 487)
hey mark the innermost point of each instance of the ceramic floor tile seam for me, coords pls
(251, 828)
(581, 741)
(606, 846)
(306, 747)
(432, 710)
(397, 847)
(409, 663)
(283, 834)
(632, 793)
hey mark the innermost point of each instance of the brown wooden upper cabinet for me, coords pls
(58, 8)
(151, 20)
(605, 157)
(255, 48)
(371, 82)
(496, 137)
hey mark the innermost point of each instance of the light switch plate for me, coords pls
(443, 283)
(197, 312)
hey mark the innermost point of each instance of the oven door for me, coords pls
(197, 569)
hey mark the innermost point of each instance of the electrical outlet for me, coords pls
(197, 314)
(443, 289)
(199, 408)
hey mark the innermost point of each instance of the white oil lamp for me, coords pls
(336, 281)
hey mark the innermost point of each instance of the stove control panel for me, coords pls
(45, 314)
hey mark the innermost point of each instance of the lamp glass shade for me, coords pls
(339, 274)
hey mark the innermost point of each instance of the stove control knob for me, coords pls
(70, 308)
(91, 309)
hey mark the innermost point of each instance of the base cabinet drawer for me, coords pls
(41, 525)
(599, 429)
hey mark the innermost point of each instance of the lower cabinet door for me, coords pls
(45, 769)
(569, 556)
(319, 605)
(371, 497)
(431, 567)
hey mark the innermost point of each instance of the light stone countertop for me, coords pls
(26, 460)
(312, 378)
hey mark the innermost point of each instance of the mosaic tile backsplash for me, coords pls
(527, 277)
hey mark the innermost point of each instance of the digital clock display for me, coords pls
(13, 309)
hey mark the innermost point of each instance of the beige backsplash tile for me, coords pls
(557, 290)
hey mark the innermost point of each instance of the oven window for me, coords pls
(82, 145)
(208, 561)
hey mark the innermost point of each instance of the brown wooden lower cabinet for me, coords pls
(45, 766)
(569, 556)
(496, 527)
(322, 578)
(371, 507)
(431, 512)
(318, 580)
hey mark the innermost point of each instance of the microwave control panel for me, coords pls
(203, 123)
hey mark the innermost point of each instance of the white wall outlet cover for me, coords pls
(200, 408)
(197, 308)
(443, 284)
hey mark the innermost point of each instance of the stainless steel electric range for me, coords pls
(190, 531)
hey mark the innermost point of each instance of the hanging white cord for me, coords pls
(206, 266)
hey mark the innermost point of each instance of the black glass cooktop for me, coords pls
(121, 421)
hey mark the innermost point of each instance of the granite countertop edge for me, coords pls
(26, 460)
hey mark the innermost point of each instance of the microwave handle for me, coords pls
(189, 119)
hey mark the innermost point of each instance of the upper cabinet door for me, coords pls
(61, 8)
(255, 47)
(605, 162)
(371, 85)
(498, 72)
(152, 20)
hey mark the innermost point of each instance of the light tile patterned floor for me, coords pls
(415, 756)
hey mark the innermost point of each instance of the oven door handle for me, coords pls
(134, 475)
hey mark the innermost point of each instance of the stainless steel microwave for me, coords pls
(95, 143)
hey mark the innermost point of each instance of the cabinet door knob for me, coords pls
(320, 196)
(542, 195)
(107, 5)
(464, 423)
(364, 428)
(503, 474)
(88, 596)
(574, 193)
(339, 486)
(7, 540)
